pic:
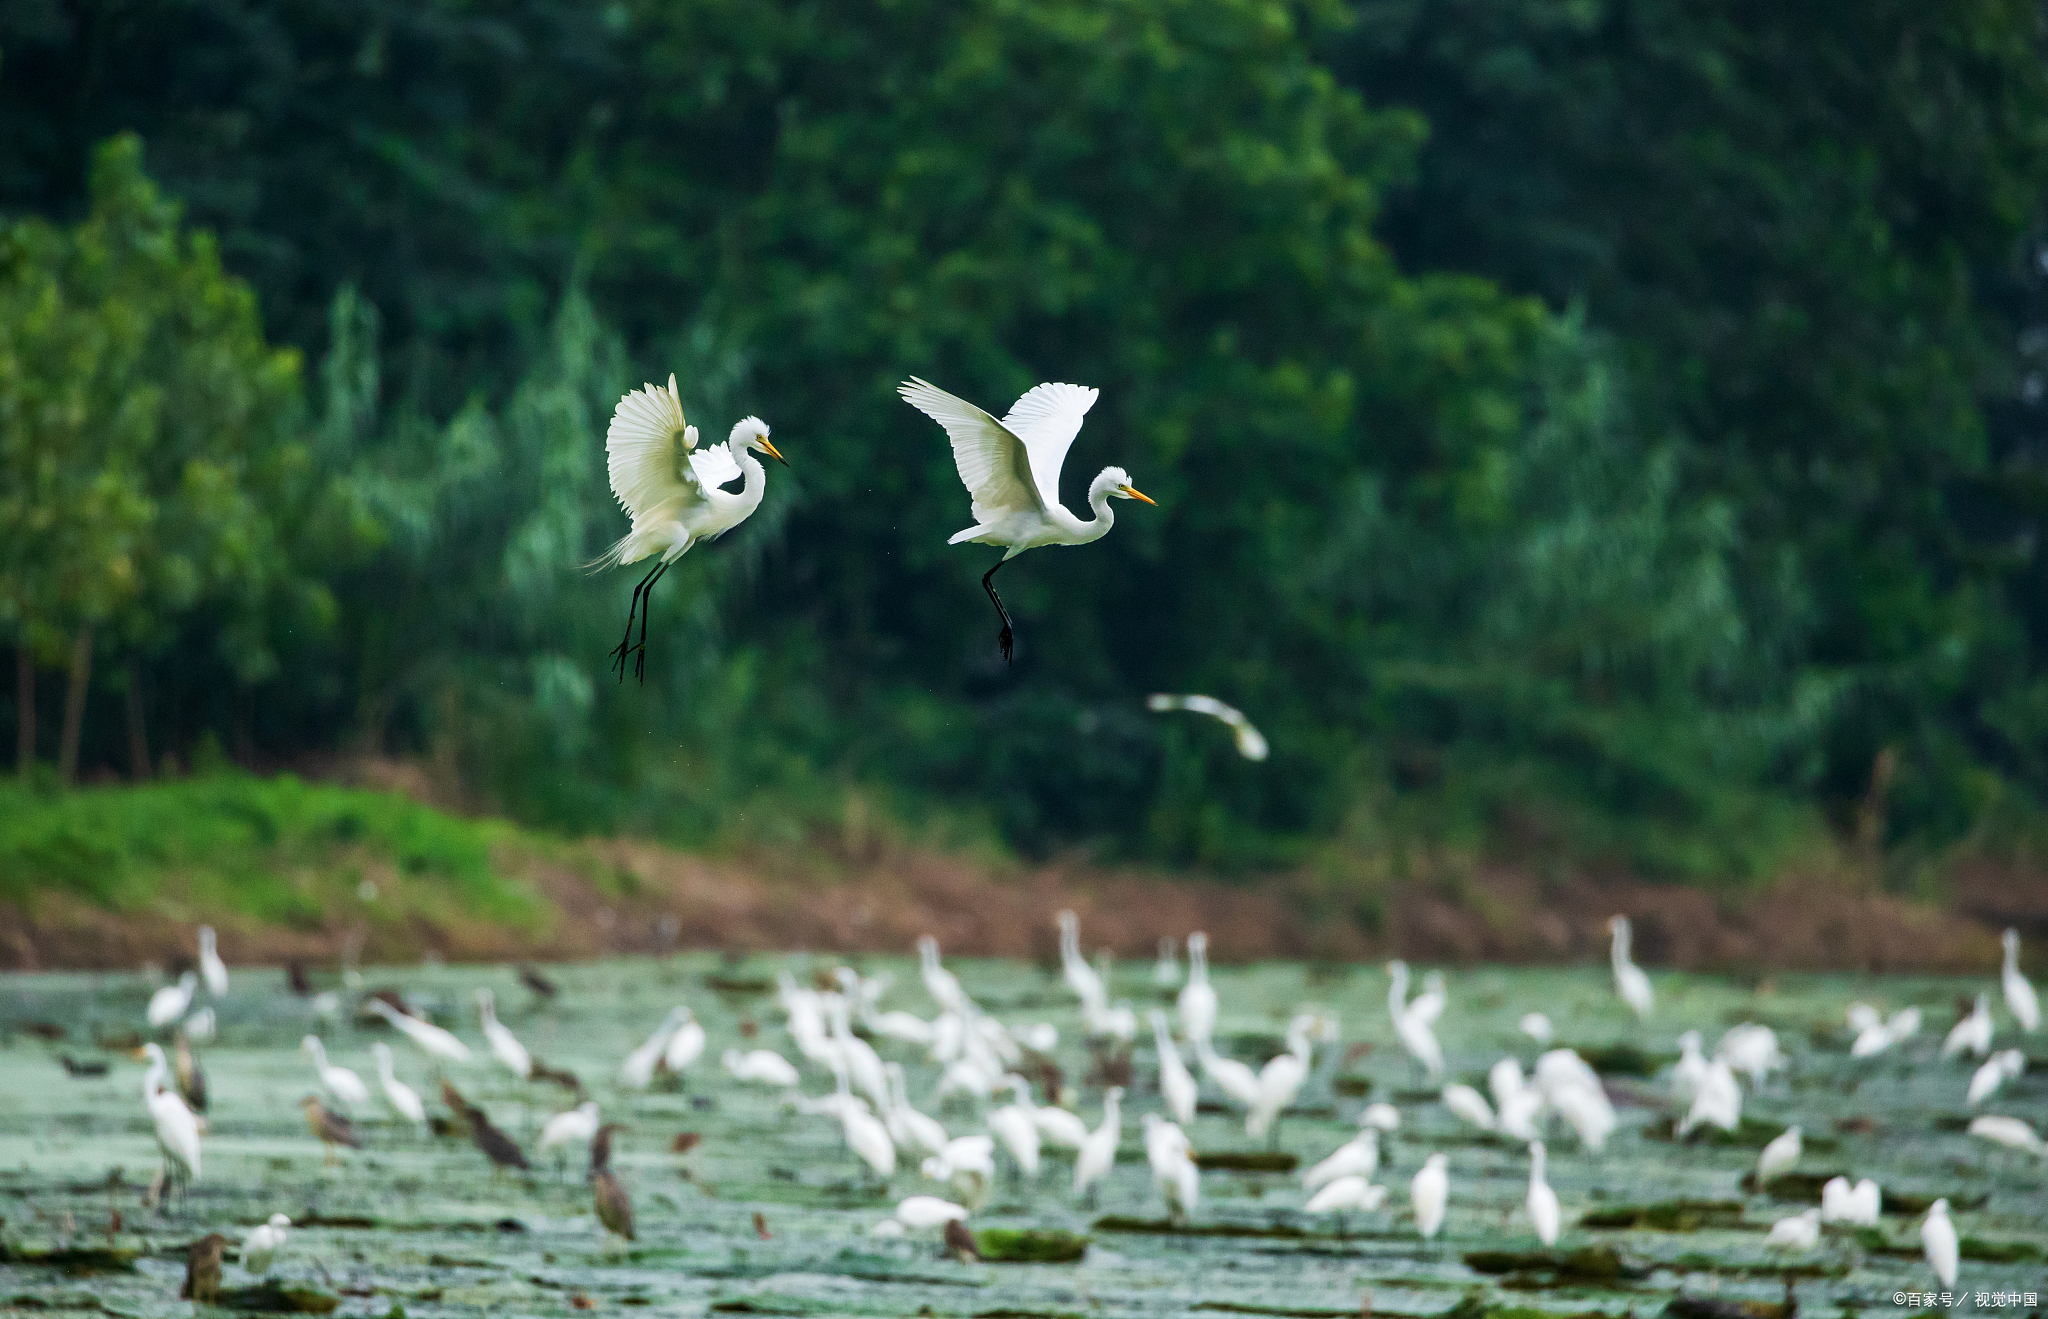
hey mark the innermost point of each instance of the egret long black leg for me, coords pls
(646, 608)
(626, 642)
(1006, 637)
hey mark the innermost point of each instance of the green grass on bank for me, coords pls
(278, 851)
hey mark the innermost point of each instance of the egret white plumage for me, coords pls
(1536, 1026)
(211, 968)
(1995, 1071)
(1239, 1082)
(685, 1046)
(168, 1004)
(404, 1100)
(1380, 1116)
(177, 1129)
(1781, 1155)
(1797, 1234)
(1857, 1205)
(1280, 1080)
(927, 1211)
(199, 1026)
(1629, 980)
(1098, 1152)
(1074, 969)
(576, 1126)
(672, 490)
(1059, 1127)
(1015, 1126)
(1427, 1006)
(1716, 1101)
(866, 1135)
(2020, 999)
(1753, 1049)
(1345, 1194)
(2011, 1132)
(1197, 1001)
(260, 1247)
(1541, 1201)
(336, 1080)
(505, 1046)
(1938, 1240)
(1516, 1103)
(1251, 743)
(915, 1133)
(1429, 1191)
(1973, 1033)
(1172, 1161)
(1011, 469)
(1415, 1033)
(638, 1069)
(1166, 969)
(1176, 1086)
(762, 1067)
(1469, 1104)
(1357, 1157)
(941, 984)
(436, 1042)
(967, 1165)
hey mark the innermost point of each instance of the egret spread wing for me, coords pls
(994, 463)
(647, 448)
(714, 466)
(1047, 419)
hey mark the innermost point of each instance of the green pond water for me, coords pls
(421, 1225)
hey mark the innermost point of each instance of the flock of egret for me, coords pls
(1000, 1079)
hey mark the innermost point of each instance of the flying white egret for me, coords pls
(1197, 1002)
(1176, 1085)
(211, 968)
(404, 1100)
(638, 1069)
(2020, 999)
(1011, 469)
(1430, 1192)
(1251, 743)
(1541, 1201)
(1973, 1033)
(1780, 1156)
(177, 1130)
(168, 1004)
(505, 1046)
(1629, 980)
(762, 1067)
(437, 1042)
(262, 1244)
(1098, 1152)
(335, 1080)
(1798, 1233)
(1938, 1238)
(671, 489)
(1357, 1157)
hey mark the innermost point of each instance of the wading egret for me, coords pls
(671, 490)
(1938, 1238)
(335, 1080)
(1251, 743)
(915, 1133)
(211, 968)
(1016, 1127)
(1973, 1033)
(1469, 1104)
(1996, 1070)
(200, 1025)
(1430, 1192)
(1232, 1077)
(686, 1045)
(260, 1247)
(1380, 1116)
(169, 1003)
(1537, 1027)
(1082, 978)
(1280, 1080)
(638, 1069)
(2020, 999)
(1716, 1101)
(1629, 980)
(1689, 1069)
(1780, 1156)
(762, 1067)
(404, 1100)
(941, 984)
(1197, 1002)
(577, 1124)
(1795, 1234)
(505, 1046)
(2011, 1132)
(920, 1212)
(1344, 1195)
(1357, 1157)
(1174, 1173)
(436, 1042)
(1098, 1152)
(1176, 1086)
(1541, 1201)
(1858, 1205)
(1753, 1049)
(1011, 469)
(177, 1130)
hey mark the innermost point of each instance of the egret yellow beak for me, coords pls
(1132, 492)
(773, 452)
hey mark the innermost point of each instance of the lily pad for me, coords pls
(1998, 1252)
(274, 1297)
(1009, 1245)
(75, 1260)
(1166, 1227)
(1667, 1215)
(1623, 1059)
(1597, 1264)
(1247, 1161)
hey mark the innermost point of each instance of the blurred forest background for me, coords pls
(1597, 433)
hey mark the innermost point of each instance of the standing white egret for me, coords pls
(923, 1211)
(2020, 999)
(1086, 982)
(263, 1243)
(576, 1126)
(671, 489)
(1239, 1082)
(1357, 1157)
(1973, 1033)
(1753, 1049)
(1629, 980)
(168, 1004)
(1176, 1085)
(1414, 1031)
(686, 1045)
(1011, 469)
(1017, 1128)
(1996, 1070)
(1717, 1100)
(762, 1067)
(1098, 1152)
(866, 1135)
(1469, 1104)
(1430, 1192)
(1542, 1201)
(211, 968)
(941, 984)
(1280, 1080)
(1858, 1205)
(177, 1130)
(438, 1043)
(638, 1069)
(1380, 1116)
(335, 1080)
(505, 1046)
(1344, 1194)
(914, 1132)
(1780, 1156)
(1197, 1002)
(2011, 1132)
(1173, 1167)
(1251, 743)
(1938, 1238)
(1690, 1068)
(1798, 1233)
(404, 1100)
(1536, 1026)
